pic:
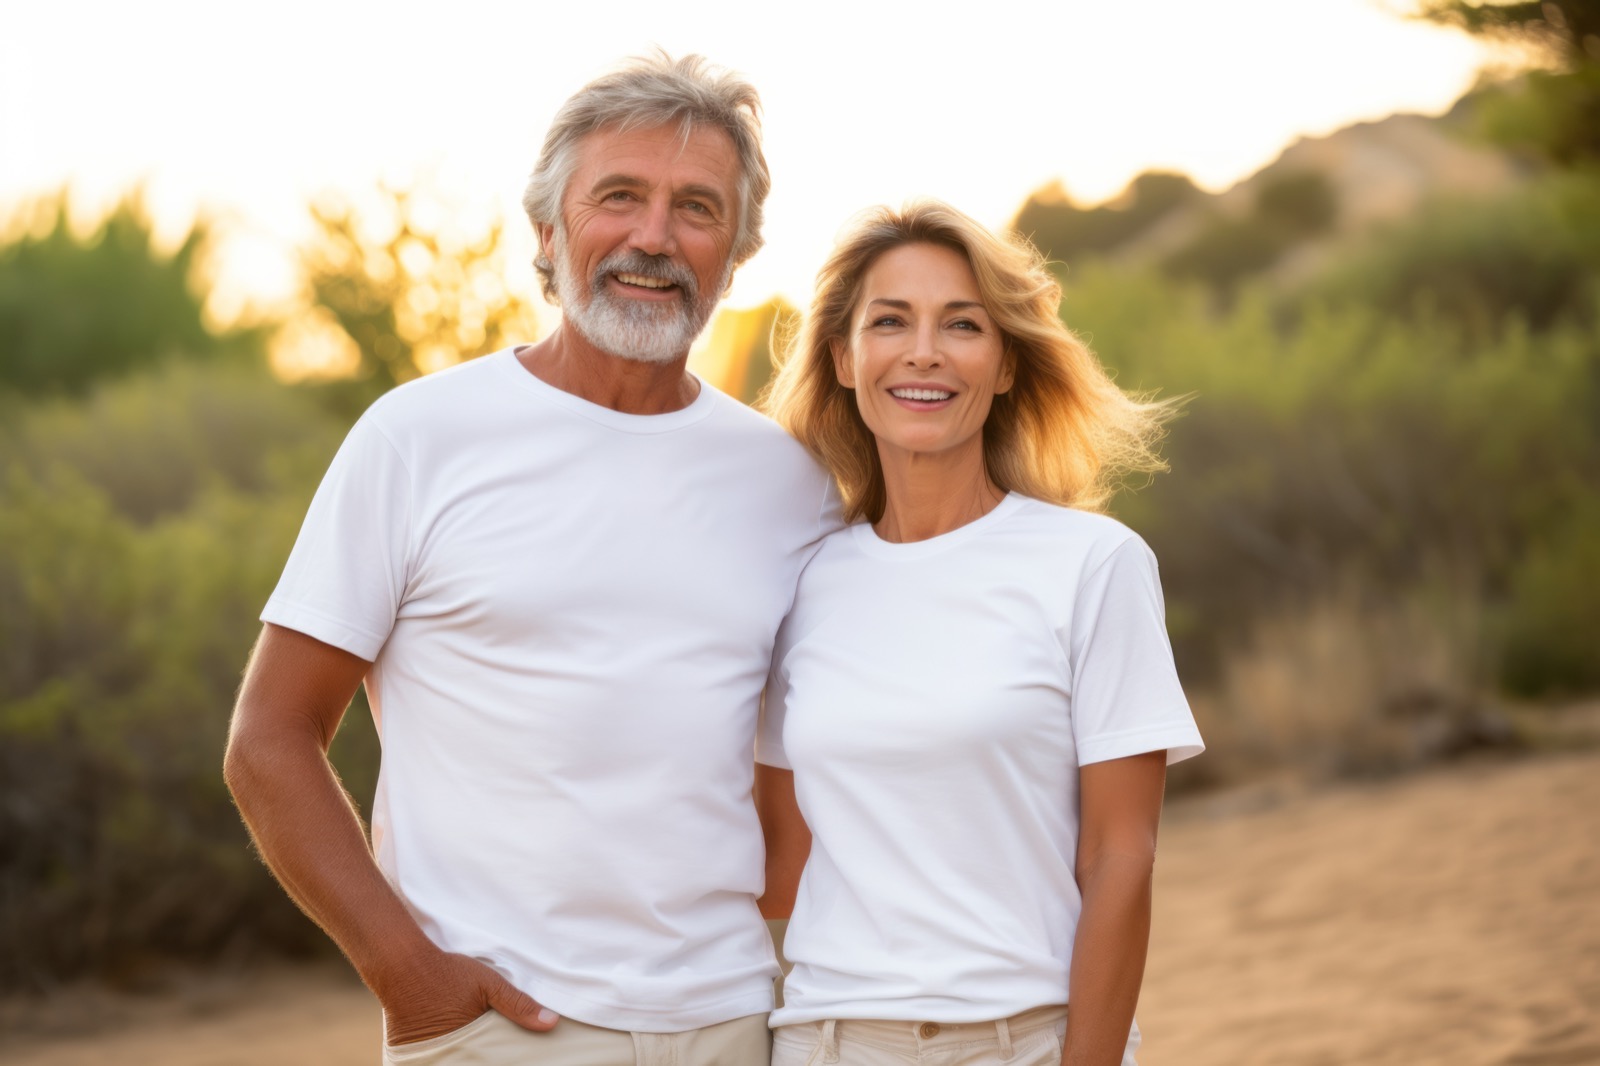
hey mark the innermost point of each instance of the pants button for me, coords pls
(929, 1030)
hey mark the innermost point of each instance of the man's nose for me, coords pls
(654, 233)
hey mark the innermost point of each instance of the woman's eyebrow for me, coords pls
(905, 305)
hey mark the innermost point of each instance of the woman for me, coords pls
(974, 689)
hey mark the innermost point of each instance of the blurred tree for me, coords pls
(1552, 112)
(1063, 231)
(77, 309)
(141, 529)
(1350, 445)
(1289, 208)
(1531, 257)
(412, 296)
(1564, 31)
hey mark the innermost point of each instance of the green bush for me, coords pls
(1347, 446)
(124, 624)
(1289, 209)
(1065, 232)
(1531, 257)
(155, 441)
(75, 310)
(1552, 635)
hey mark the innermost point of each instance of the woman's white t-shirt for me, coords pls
(935, 700)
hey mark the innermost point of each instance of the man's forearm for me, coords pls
(1108, 958)
(309, 834)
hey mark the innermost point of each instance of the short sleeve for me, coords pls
(1126, 699)
(347, 573)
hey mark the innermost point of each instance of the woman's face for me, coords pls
(922, 354)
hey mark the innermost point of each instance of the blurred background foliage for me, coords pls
(1380, 538)
(75, 310)
(406, 293)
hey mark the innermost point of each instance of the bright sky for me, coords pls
(248, 110)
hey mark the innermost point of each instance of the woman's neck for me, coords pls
(928, 495)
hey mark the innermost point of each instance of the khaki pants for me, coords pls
(492, 1040)
(1032, 1038)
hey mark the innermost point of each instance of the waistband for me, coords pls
(925, 1036)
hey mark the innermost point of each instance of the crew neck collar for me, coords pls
(868, 541)
(622, 421)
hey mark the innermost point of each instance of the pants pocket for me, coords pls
(796, 1045)
(421, 1052)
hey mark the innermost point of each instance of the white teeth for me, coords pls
(644, 282)
(920, 394)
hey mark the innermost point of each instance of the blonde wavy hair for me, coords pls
(1063, 433)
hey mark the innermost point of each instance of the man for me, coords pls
(559, 570)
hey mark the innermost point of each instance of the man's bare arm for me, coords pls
(294, 694)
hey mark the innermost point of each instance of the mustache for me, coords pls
(659, 267)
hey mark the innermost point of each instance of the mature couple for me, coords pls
(646, 669)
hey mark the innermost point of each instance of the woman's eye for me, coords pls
(885, 320)
(966, 324)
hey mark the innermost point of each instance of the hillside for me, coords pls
(1288, 218)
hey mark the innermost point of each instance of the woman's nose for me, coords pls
(924, 351)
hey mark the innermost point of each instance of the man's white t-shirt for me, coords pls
(935, 700)
(570, 613)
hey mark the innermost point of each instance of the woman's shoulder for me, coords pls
(1091, 533)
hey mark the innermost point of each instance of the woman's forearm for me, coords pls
(787, 838)
(1108, 957)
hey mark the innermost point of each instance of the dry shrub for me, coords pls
(1353, 684)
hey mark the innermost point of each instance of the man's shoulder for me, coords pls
(441, 397)
(739, 417)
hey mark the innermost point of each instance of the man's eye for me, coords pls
(697, 207)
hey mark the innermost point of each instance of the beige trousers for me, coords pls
(493, 1040)
(1032, 1038)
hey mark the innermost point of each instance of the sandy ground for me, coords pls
(1453, 917)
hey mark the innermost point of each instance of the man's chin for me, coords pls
(648, 338)
(637, 343)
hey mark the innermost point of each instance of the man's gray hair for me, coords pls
(642, 93)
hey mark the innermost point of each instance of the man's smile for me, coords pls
(643, 282)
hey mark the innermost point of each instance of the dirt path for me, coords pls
(1452, 918)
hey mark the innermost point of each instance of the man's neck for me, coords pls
(567, 361)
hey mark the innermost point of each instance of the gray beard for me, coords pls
(634, 329)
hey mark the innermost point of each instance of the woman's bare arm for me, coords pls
(788, 839)
(1120, 810)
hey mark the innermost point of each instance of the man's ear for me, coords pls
(843, 368)
(546, 233)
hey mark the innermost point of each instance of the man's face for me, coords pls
(643, 254)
